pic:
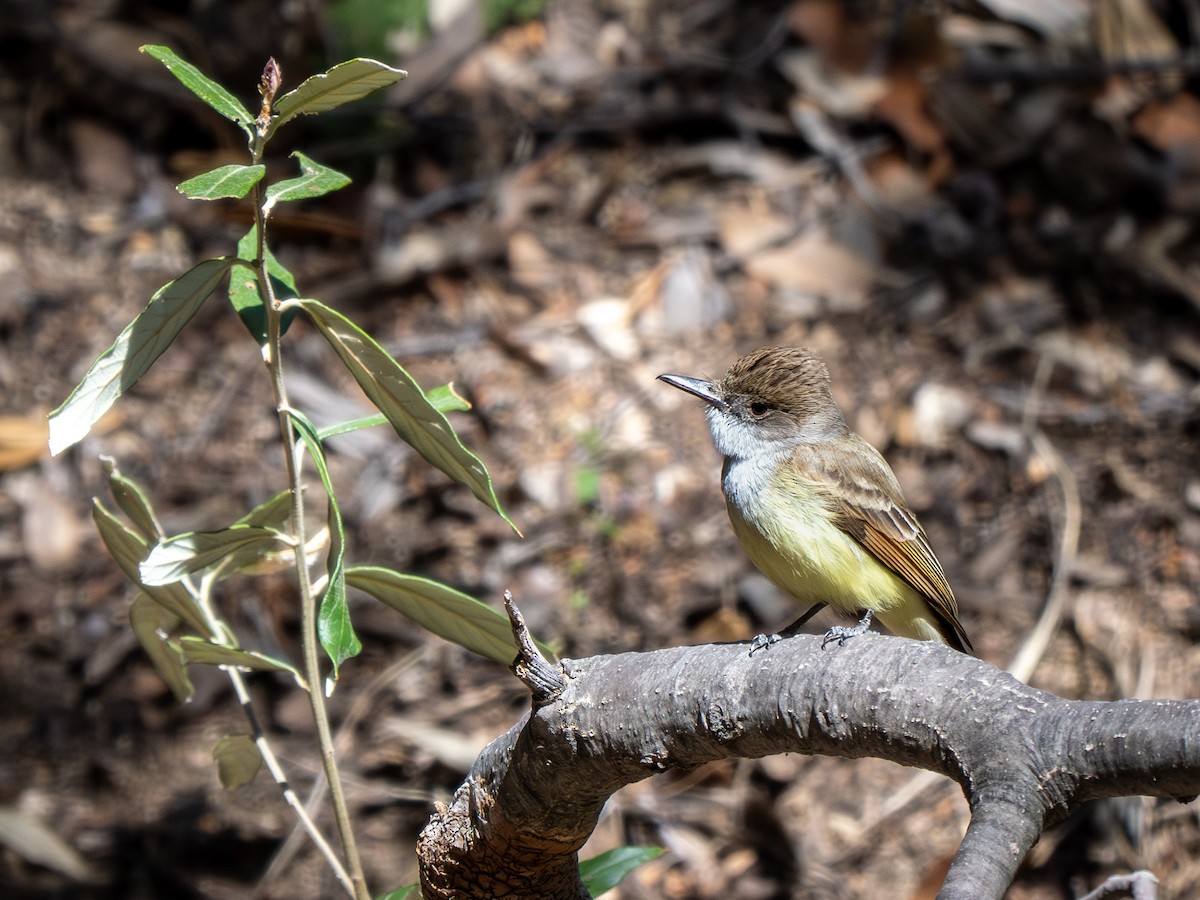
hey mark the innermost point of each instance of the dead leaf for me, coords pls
(747, 230)
(838, 93)
(1054, 19)
(23, 441)
(690, 296)
(606, 322)
(904, 106)
(814, 263)
(531, 265)
(51, 532)
(36, 843)
(828, 28)
(1170, 124)
(105, 159)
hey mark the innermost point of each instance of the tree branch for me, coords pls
(1024, 758)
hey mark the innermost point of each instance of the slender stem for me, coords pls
(203, 596)
(308, 605)
(361, 706)
(289, 795)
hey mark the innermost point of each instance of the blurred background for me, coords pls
(982, 214)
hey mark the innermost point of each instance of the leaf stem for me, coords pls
(203, 596)
(289, 795)
(308, 603)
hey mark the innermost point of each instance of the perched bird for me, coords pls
(816, 508)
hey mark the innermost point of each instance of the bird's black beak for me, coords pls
(705, 390)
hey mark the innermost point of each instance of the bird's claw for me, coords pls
(839, 634)
(762, 642)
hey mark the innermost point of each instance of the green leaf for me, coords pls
(604, 872)
(343, 83)
(587, 485)
(398, 397)
(129, 549)
(132, 500)
(444, 399)
(333, 619)
(192, 551)
(315, 180)
(446, 612)
(203, 87)
(244, 293)
(199, 650)
(136, 348)
(408, 892)
(222, 182)
(238, 760)
(335, 629)
(151, 623)
(274, 513)
(359, 424)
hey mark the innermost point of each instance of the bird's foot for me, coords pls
(839, 634)
(762, 642)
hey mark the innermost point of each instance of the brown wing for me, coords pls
(870, 507)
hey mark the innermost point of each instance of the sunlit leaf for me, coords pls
(314, 180)
(408, 892)
(244, 293)
(238, 760)
(136, 348)
(183, 554)
(129, 549)
(446, 612)
(132, 500)
(198, 650)
(222, 182)
(398, 397)
(334, 627)
(443, 398)
(152, 624)
(604, 872)
(202, 86)
(343, 83)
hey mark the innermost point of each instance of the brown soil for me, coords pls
(983, 226)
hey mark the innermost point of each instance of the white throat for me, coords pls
(750, 457)
(736, 439)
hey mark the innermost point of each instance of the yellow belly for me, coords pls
(794, 542)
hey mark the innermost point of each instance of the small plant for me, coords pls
(173, 613)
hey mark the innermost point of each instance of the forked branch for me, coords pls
(1025, 759)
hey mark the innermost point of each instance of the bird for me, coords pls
(815, 507)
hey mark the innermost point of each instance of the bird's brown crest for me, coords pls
(790, 379)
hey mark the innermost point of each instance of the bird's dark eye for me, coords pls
(758, 409)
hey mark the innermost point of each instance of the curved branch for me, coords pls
(1024, 758)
